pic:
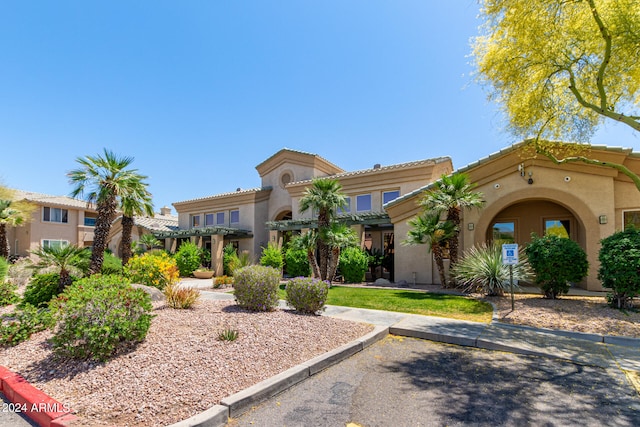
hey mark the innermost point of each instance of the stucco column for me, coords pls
(217, 246)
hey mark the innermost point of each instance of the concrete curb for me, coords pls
(240, 402)
(34, 403)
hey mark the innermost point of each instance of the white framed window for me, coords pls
(234, 216)
(195, 220)
(388, 196)
(347, 206)
(55, 215)
(49, 243)
(363, 203)
(220, 218)
(208, 220)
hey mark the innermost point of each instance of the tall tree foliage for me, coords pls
(105, 181)
(559, 68)
(324, 196)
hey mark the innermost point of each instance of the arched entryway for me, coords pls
(516, 223)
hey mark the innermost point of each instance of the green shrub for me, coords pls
(297, 263)
(111, 264)
(155, 268)
(307, 295)
(41, 289)
(179, 297)
(556, 261)
(4, 268)
(188, 258)
(98, 316)
(481, 270)
(256, 287)
(272, 257)
(228, 254)
(18, 326)
(354, 263)
(8, 293)
(620, 266)
(238, 261)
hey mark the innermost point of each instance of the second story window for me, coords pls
(195, 220)
(388, 196)
(220, 218)
(234, 216)
(208, 220)
(55, 215)
(363, 203)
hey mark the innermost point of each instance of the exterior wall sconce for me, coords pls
(522, 171)
(471, 226)
(602, 219)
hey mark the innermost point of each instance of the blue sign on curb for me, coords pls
(510, 254)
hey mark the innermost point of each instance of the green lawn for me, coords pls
(406, 301)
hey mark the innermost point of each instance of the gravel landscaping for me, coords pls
(181, 369)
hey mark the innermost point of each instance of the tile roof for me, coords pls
(221, 195)
(53, 200)
(381, 169)
(165, 223)
(497, 154)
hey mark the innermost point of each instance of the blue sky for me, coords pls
(200, 92)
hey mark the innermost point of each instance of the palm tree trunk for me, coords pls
(106, 212)
(453, 215)
(4, 245)
(64, 281)
(125, 244)
(323, 251)
(334, 260)
(315, 269)
(437, 255)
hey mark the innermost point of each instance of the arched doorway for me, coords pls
(516, 223)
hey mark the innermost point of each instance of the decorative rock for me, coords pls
(382, 282)
(155, 293)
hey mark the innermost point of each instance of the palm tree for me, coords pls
(308, 242)
(325, 197)
(451, 194)
(65, 259)
(431, 230)
(12, 213)
(138, 203)
(338, 237)
(149, 241)
(106, 181)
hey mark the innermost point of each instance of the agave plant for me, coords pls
(481, 270)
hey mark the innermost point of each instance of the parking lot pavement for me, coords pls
(10, 418)
(412, 382)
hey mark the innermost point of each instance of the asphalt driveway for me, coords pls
(412, 382)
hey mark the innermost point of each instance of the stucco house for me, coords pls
(527, 195)
(56, 220)
(160, 222)
(250, 219)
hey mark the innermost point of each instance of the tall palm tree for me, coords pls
(138, 203)
(65, 259)
(324, 196)
(451, 194)
(12, 213)
(429, 229)
(106, 181)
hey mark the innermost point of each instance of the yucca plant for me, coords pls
(179, 297)
(481, 270)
